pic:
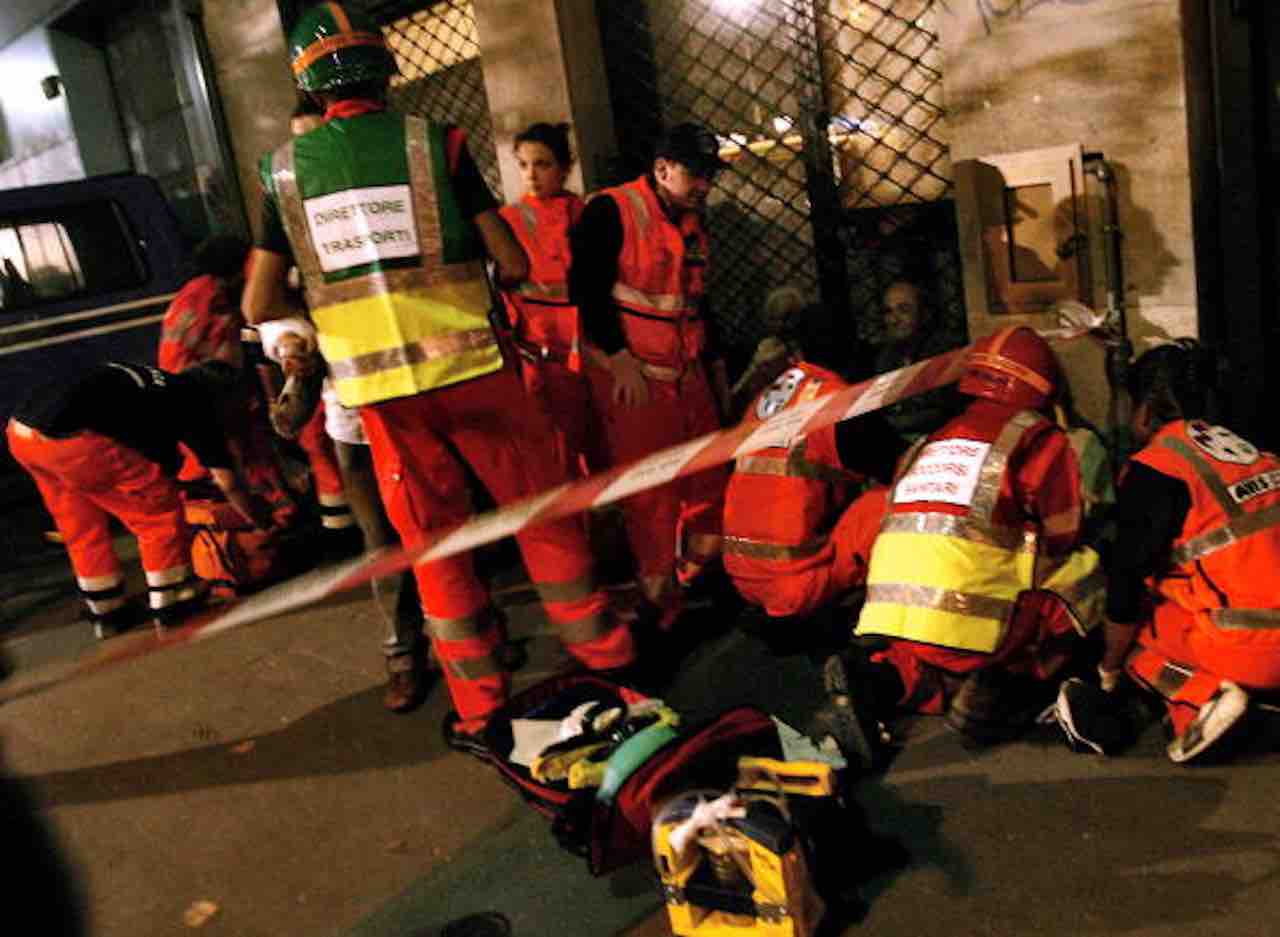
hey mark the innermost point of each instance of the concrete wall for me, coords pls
(37, 142)
(94, 116)
(1108, 74)
(542, 62)
(247, 45)
(18, 16)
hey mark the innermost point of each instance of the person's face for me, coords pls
(304, 123)
(540, 171)
(680, 186)
(902, 312)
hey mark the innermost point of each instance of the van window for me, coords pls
(71, 250)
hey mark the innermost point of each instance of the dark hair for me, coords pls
(307, 106)
(373, 89)
(555, 137)
(1176, 381)
(222, 255)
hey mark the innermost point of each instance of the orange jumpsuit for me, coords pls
(104, 447)
(657, 293)
(1216, 612)
(545, 325)
(793, 540)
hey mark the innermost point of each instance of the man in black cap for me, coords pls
(637, 276)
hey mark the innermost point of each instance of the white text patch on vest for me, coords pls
(946, 470)
(361, 226)
(1256, 485)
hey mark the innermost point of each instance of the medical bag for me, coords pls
(622, 768)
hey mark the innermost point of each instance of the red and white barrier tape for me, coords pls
(570, 498)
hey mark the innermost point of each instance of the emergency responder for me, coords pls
(1193, 612)
(308, 405)
(203, 320)
(799, 520)
(389, 220)
(977, 579)
(544, 325)
(637, 276)
(106, 444)
(203, 323)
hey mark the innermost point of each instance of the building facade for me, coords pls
(865, 136)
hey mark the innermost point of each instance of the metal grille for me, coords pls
(436, 49)
(830, 113)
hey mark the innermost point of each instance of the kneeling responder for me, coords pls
(107, 445)
(978, 580)
(799, 520)
(389, 220)
(1193, 612)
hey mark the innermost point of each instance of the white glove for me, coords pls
(277, 329)
(708, 814)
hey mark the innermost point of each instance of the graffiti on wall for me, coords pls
(996, 12)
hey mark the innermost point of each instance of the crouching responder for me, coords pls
(799, 520)
(977, 580)
(389, 221)
(203, 323)
(1193, 612)
(106, 445)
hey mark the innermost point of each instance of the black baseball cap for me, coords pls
(693, 146)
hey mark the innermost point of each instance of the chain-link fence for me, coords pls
(438, 54)
(830, 113)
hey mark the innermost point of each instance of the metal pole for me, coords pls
(1119, 348)
(820, 180)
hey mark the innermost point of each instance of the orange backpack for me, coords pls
(235, 557)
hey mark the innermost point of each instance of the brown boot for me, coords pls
(406, 683)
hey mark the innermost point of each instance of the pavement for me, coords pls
(252, 785)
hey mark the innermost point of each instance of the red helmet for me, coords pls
(1014, 366)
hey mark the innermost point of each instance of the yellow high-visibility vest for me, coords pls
(398, 323)
(953, 581)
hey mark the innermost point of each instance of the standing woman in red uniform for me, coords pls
(544, 324)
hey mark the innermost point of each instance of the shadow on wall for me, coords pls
(1148, 262)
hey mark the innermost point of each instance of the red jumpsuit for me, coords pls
(545, 325)
(420, 442)
(1037, 494)
(1217, 611)
(201, 324)
(792, 539)
(661, 269)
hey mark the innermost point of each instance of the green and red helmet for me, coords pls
(329, 48)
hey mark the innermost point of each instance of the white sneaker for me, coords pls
(1214, 720)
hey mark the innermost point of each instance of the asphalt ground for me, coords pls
(253, 785)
